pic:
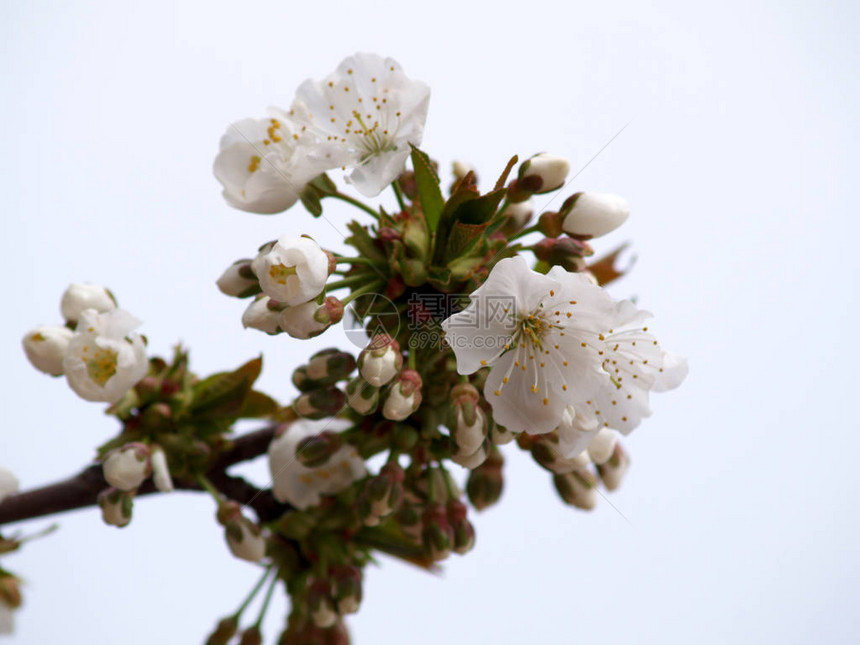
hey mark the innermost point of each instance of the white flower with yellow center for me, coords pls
(363, 116)
(302, 486)
(534, 331)
(105, 358)
(260, 164)
(636, 365)
(293, 271)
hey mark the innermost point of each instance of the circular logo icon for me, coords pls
(368, 316)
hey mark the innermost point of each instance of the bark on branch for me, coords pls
(81, 490)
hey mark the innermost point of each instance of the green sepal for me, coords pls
(388, 539)
(319, 187)
(363, 242)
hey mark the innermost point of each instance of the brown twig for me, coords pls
(81, 490)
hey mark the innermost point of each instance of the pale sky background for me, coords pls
(737, 522)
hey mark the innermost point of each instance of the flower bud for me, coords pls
(613, 470)
(408, 516)
(550, 224)
(239, 280)
(320, 604)
(224, 631)
(464, 532)
(517, 216)
(595, 214)
(259, 316)
(500, 435)
(116, 506)
(485, 484)
(251, 636)
(319, 404)
(245, 539)
(160, 472)
(10, 599)
(46, 347)
(8, 483)
(461, 169)
(551, 170)
(311, 319)
(468, 421)
(404, 396)
(85, 296)
(602, 446)
(546, 451)
(296, 525)
(382, 494)
(380, 361)
(362, 396)
(316, 450)
(473, 460)
(293, 271)
(565, 252)
(126, 468)
(577, 488)
(347, 589)
(330, 365)
(438, 536)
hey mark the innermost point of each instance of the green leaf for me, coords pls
(224, 394)
(258, 405)
(429, 192)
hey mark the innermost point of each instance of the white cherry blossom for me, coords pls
(262, 165)
(301, 486)
(293, 271)
(534, 331)
(636, 365)
(105, 357)
(363, 116)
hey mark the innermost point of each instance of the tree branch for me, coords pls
(81, 490)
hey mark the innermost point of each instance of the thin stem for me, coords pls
(254, 592)
(360, 292)
(524, 232)
(206, 485)
(412, 358)
(346, 282)
(344, 260)
(266, 601)
(351, 200)
(399, 194)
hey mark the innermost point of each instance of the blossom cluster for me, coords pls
(534, 352)
(361, 117)
(97, 350)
